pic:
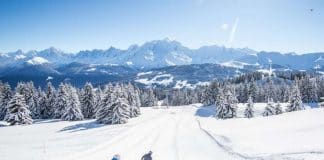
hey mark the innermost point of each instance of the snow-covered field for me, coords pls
(178, 133)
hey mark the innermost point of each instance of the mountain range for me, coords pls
(155, 58)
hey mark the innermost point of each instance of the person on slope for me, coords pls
(147, 156)
(116, 157)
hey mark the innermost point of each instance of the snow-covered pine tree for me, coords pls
(270, 90)
(18, 112)
(28, 91)
(249, 110)
(227, 106)
(137, 102)
(295, 103)
(269, 109)
(246, 92)
(221, 109)
(132, 100)
(120, 109)
(88, 101)
(220, 93)
(253, 88)
(34, 107)
(278, 108)
(308, 90)
(32, 100)
(231, 103)
(73, 111)
(149, 98)
(99, 97)
(62, 101)
(48, 109)
(104, 113)
(41, 102)
(114, 108)
(5, 96)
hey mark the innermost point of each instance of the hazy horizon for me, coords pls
(108, 47)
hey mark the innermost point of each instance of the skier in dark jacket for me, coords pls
(147, 156)
(116, 157)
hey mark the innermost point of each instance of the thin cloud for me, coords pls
(233, 32)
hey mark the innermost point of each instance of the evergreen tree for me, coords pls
(221, 109)
(295, 103)
(137, 102)
(269, 109)
(88, 101)
(114, 108)
(249, 110)
(149, 98)
(270, 90)
(278, 109)
(48, 109)
(18, 112)
(253, 89)
(62, 101)
(120, 110)
(35, 107)
(227, 107)
(99, 97)
(308, 90)
(5, 96)
(133, 98)
(41, 103)
(104, 112)
(73, 111)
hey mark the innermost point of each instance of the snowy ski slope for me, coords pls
(177, 133)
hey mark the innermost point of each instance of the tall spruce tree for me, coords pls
(88, 101)
(227, 108)
(5, 96)
(249, 110)
(73, 111)
(50, 96)
(18, 112)
(221, 109)
(104, 112)
(269, 109)
(149, 98)
(295, 103)
(62, 101)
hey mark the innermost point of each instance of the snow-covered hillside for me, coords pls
(178, 133)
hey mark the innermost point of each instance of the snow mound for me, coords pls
(293, 135)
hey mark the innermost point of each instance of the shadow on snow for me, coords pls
(82, 126)
(206, 111)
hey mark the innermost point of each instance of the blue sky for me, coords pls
(73, 25)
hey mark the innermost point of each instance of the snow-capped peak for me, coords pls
(20, 56)
(37, 61)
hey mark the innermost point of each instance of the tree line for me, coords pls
(111, 104)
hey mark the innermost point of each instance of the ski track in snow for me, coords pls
(174, 135)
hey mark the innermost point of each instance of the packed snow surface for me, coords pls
(178, 133)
